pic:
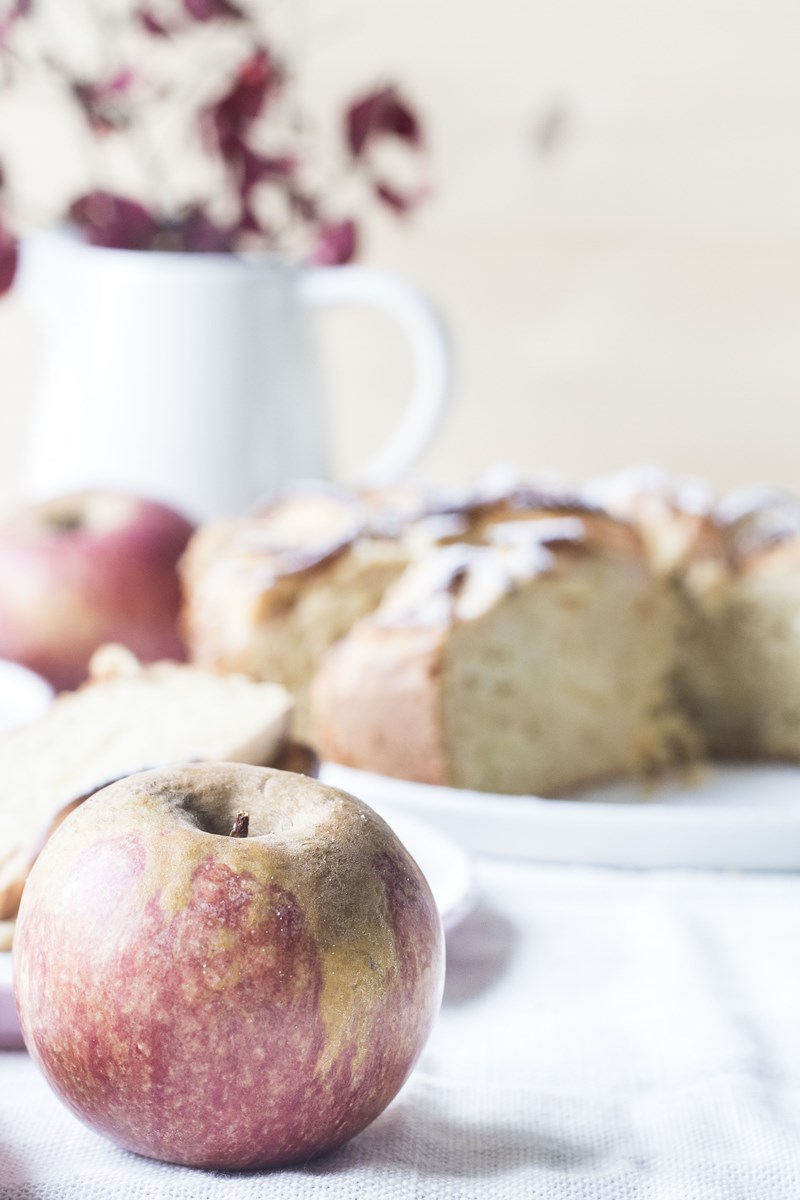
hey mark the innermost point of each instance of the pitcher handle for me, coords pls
(430, 344)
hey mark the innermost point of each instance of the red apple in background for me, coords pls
(219, 996)
(85, 569)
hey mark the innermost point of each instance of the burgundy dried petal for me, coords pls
(255, 81)
(379, 113)
(198, 233)
(117, 84)
(399, 202)
(250, 222)
(304, 205)
(248, 169)
(210, 10)
(254, 168)
(150, 23)
(9, 255)
(108, 220)
(336, 244)
(278, 166)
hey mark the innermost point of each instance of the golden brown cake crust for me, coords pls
(759, 530)
(279, 550)
(378, 704)
(245, 579)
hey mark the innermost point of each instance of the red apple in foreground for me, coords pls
(220, 1000)
(86, 569)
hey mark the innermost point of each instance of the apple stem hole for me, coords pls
(241, 825)
(66, 521)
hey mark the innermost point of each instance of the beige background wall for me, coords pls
(630, 294)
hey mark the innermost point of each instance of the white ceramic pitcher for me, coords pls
(192, 378)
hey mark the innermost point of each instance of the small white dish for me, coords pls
(445, 865)
(736, 816)
(24, 695)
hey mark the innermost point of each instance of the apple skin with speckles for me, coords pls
(84, 569)
(226, 1001)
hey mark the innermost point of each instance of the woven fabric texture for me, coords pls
(604, 1036)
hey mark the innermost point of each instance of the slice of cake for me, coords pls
(533, 664)
(127, 718)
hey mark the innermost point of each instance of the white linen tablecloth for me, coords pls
(604, 1036)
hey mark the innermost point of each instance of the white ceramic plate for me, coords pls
(736, 816)
(445, 865)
